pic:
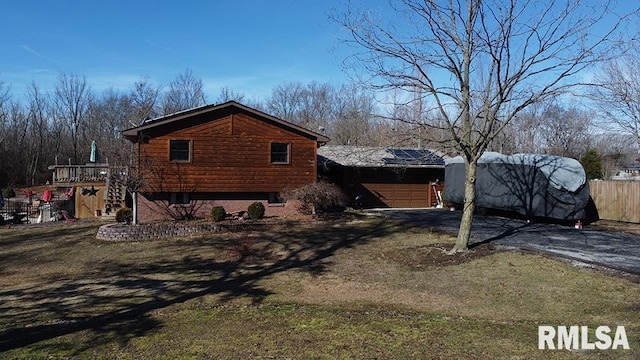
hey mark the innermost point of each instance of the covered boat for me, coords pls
(532, 185)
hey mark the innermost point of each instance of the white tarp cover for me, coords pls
(533, 185)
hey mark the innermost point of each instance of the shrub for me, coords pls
(124, 215)
(218, 213)
(318, 196)
(256, 210)
(8, 192)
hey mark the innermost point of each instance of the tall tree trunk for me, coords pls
(464, 233)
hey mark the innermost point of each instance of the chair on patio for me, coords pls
(34, 208)
(67, 217)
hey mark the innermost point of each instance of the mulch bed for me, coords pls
(436, 255)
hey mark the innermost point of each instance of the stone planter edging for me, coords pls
(123, 232)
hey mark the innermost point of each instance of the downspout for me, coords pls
(134, 193)
(134, 196)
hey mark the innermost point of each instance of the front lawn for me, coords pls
(347, 288)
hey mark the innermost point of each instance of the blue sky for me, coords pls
(248, 46)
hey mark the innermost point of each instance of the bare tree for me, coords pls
(185, 92)
(523, 133)
(144, 100)
(109, 116)
(480, 63)
(550, 128)
(73, 99)
(159, 178)
(617, 97)
(285, 101)
(617, 149)
(317, 108)
(4, 98)
(414, 125)
(354, 122)
(4, 134)
(39, 113)
(227, 94)
(347, 114)
(565, 131)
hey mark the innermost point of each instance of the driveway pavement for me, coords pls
(614, 250)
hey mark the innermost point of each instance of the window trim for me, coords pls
(271, 152)
(189, 154)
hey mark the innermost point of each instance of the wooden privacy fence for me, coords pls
(616, 200)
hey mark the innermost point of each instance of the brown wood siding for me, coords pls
(230, 154)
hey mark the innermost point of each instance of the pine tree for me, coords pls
(592, 164)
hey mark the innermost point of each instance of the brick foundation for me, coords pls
(154, 210)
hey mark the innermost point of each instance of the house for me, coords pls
(629, 171)
(227, 154)
(384, 177)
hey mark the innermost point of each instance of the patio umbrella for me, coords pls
(94, 152)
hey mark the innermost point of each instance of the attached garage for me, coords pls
(379, 177)
(402, 195)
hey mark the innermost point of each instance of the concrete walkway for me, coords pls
(614, 250)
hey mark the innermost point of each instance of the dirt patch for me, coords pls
(436, 255)
(617, 226)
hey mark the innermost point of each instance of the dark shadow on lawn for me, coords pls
(118, 297)
(485, 229)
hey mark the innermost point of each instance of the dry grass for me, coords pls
(360, 288)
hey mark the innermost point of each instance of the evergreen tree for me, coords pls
(592, 164)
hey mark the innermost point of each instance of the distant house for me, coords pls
(227, 154)
(628, 172)
(384, 177)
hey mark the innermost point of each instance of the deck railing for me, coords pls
(84, 173)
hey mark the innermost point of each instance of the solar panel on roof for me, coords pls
(412, 157)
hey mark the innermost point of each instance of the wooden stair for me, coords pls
(114, 196)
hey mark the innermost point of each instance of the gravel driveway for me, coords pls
(614, 250)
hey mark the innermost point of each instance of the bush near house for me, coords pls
(318, 196)
(124, 215)
(8, 192)
(256, 210)
(218, 213)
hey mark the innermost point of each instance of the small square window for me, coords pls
(181, 198)
(179, 150)
(279, 153)
(275, 199)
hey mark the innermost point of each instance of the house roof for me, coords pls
(174, 119)
(363, 156)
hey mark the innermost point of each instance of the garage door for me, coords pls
(401, 195)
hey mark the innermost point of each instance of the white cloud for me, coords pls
(41, 56)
